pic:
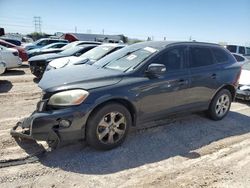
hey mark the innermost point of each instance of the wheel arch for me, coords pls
(126, 103)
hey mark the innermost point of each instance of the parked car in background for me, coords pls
(78, 43)
(12, 41)
(137, 84)
(2, 67)
(39, 63)
(41, 43)
(240, 58)
(9, 57)
(50, 48)
(243, 91)
(89, 57)
(239, 49)
(22, 52)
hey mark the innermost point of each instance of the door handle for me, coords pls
(213, 76)
(183, 82)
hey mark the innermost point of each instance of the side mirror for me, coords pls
(156, 69)
(78, 54)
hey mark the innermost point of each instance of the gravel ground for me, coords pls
(190, 151)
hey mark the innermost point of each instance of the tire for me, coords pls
(220, 105)
(108, 126)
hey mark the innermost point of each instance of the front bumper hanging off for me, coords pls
(23, 130)
(53, 126)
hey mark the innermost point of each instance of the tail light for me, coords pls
(15, 53)
(236, 81)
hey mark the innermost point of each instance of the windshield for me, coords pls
(70, 51)
(49, 46)
(126, 59)
(38, 41)
(97, 52)
(246, 66)
(68, 46)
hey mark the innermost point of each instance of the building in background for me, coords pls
(71, 37)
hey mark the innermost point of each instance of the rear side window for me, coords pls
(238, 58)
(173, 59)
(200, 56)
(232, 48)
(248, 51)
(220, 55)
(241, 50)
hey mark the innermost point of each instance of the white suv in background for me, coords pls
(239, 50)
(9, 57)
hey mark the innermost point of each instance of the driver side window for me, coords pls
(173, 59)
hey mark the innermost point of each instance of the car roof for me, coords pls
(163, 44)
(113, 44)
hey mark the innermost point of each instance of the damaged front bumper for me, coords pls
(53, 126)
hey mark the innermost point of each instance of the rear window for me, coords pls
(220, 55)
(232, 48)
(201, 56)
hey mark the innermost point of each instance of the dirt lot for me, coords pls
(191, 151)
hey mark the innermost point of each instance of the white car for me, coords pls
(243, 91)
(90, 56)
(243, 50)
(2, 68)
(10, 57)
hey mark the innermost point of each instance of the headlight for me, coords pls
(68, 98)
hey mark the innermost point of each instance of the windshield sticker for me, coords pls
(151, 50)
(131, 57)
(105, 48)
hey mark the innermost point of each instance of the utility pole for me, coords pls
(103, 31)
(75, 29)
(37, 23)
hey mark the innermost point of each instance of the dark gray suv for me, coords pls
(137, 84)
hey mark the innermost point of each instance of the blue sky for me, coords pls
(202, 20)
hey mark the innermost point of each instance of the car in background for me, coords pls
(239, 50)
(240, 58)
(243, 91)
(41, 43)
(12, 41)
(78, 43)
(9, 57)
(50, 48)
(138, 84)
(89, 57)
(2, 67)
(39, 63)
(22, 52)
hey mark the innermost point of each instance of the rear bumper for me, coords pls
(47, 126)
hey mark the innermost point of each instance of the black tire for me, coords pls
(95, 130)
(214, 107)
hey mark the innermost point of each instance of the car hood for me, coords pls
(46, 57)
(79, 76)
(34, 51)
(62, 62)
(244, 77)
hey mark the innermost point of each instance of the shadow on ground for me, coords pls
(13, 72)
(5, 86)
(180, 138)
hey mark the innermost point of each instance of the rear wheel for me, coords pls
(107, 128)
(220, 105)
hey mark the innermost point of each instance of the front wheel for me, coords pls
(107, 128)
(220, 105)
